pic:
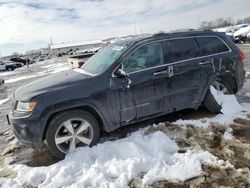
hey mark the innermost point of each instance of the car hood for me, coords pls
(50, 83)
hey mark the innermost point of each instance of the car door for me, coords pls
(181, 55)
(142, 91)
(213, 57)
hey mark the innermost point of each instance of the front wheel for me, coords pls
(70, 130)
(210, 102)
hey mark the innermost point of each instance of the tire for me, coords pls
(209, 100)
(9, 69)
(57, 130)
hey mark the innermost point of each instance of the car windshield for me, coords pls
(103, 59)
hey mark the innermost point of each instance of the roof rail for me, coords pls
(160, 34)
(181, 31)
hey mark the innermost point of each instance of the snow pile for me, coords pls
(2, 101)
(115, 164)
(247, 94)
(229, 111)
(228, 135)
(229, 103)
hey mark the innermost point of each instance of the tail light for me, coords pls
(242, 56)
(80, 63)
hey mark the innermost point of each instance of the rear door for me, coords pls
(181, 56)
(213, 57)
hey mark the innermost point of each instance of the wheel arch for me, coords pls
(227, 77)
(87, 108)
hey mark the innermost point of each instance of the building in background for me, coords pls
(65, 48)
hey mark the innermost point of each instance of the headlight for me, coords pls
(25, 106)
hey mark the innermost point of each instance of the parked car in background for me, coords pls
(230, 30)
(241, 34)
(248, 37)
(18, 64)
(20, 60)
(76, 61)
(7, 66)
(126, 82)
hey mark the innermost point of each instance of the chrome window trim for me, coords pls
(176, 62)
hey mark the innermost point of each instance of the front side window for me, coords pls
(180, 49)
(211, 45)
(147, 56)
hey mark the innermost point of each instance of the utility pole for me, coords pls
(135, 28)
(198, 22)
(141, 30)
(51, 42)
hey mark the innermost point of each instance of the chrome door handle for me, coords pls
(205, 62)
(160, 73)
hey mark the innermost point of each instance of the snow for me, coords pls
(2, 101)
(51, 68)
(229, 103)
(230, 109)
(228, 134)
(116, 163)
(247, 94)
(12, 80)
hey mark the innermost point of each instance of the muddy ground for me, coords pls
(235, 154)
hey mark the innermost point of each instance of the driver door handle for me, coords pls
(160, 73)
(204, 62)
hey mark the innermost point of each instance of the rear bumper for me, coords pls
(28, 132)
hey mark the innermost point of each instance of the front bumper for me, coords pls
(28, 132)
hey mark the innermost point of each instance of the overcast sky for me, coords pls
(29, 24)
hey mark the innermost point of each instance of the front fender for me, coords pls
(50, 111)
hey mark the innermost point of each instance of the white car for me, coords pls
(9, 66)
(248, 37)
(241, 34)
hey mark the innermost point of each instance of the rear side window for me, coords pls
(211, 45)
(181, 49)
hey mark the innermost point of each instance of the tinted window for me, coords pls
(211, 45)
(181, 49)
(145, 57)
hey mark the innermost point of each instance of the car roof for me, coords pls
(163, 35)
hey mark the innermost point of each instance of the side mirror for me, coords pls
(121, 73)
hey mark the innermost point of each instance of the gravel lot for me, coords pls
(236, 151)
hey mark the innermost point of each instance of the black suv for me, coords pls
(126, 82)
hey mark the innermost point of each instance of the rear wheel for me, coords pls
(70, 130)
(211, 104)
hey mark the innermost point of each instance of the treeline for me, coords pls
(220, 22)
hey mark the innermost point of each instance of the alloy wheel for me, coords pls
(72, 134)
